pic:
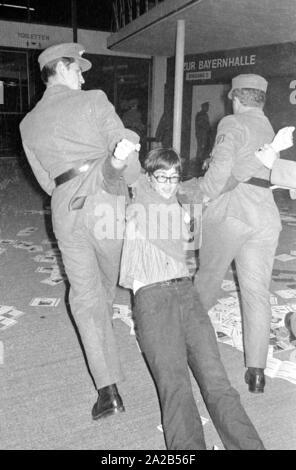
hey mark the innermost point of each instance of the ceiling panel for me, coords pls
(211, 25)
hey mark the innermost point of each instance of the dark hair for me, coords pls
(162, 159)
(49, 70)
(250, 96)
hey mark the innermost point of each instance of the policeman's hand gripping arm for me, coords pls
(122, 151)
(269, 153)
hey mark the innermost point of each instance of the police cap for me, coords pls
(69, 49)
(248, 80)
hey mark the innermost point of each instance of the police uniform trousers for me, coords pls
(92, 268)
(174, 332)
(253, 252)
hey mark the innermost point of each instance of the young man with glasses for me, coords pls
(172, 328)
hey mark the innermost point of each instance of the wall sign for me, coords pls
(220, 62)
(33, 40)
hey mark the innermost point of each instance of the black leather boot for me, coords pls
(255, 378)
(108, 403)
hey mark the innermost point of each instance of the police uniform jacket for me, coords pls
(68, 127)
(238, 137)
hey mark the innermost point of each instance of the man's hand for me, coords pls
(124, 148)
(122, 151)
(283, 139)
(267, 155)
(270, 152)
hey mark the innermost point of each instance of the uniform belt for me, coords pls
(259, 182)
(169, 282)
(68, 175)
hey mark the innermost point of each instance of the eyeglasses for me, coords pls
(167, 179)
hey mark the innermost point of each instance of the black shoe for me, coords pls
(108, 403)
(290, 324)
(255, 378)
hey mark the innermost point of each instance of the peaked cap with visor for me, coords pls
(248, 80)
(70, 49)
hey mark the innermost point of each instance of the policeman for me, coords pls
(242, 224)
(69, 138)
(203, 136)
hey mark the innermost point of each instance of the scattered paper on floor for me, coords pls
(44, 302)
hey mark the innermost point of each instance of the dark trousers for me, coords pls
(173, 331)
(92, 267)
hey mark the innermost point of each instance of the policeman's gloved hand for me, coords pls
(283, 139)
(124, 148)
(270, 152)
(267, 155)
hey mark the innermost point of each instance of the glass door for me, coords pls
(13, 99)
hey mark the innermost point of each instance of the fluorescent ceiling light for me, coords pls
(16, 6)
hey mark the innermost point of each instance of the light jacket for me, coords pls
(238, 137)
(68, 127)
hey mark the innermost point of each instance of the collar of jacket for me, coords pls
(58, 89)
(251, 110)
